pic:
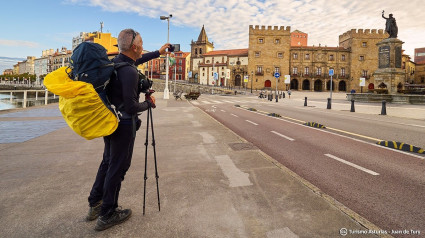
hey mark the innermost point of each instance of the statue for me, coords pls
(390, 26)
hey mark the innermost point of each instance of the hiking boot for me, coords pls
(94, 211)
(117, 217)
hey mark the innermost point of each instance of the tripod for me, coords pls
(149, 116)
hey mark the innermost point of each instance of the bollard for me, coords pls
(329, 103)
(275, 95)
(384, 108)
(24, 102)
(305, 102)
(352, 106)
(46, 95)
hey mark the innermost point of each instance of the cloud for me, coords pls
(19, 43)
(227, 21)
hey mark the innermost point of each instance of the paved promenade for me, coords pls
(212, 183)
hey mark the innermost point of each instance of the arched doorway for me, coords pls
(238, 80)
(318, 85)
(195, 79)
(267, 84)
(371, 86)
(306, 84)
(399, 87)
(294, 84)
(342, 86)
(328, 85)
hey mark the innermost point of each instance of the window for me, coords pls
(361, 58)
(295, 55)
(307, 56)
(364, 44)
(196, 51)
(364, 73)
(259, 69)
(260, 40)
(257, 54)
(343, 72)
(277, 41)
(276, 69)
(208, 61)
(319, 71)
(295, 70)
(306, 70)
(331, 57)
(200, 51)
(279, 55)
(422, 79)
(342, 57)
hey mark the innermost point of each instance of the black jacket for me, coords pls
(124, 89)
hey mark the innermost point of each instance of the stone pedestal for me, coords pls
(389, 71)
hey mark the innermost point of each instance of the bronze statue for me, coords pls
(390, 26)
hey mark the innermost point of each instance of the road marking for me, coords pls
(223, 110)
(252, 122)
(214, 107)
(233, 115)
(206, 102)
(216, 101)
(228, 101)
(196, 103)
(286, 137)
(352, 165)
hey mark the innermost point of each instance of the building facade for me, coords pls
(419, 55)
(61, 58)
(104, 39)
(198, 48)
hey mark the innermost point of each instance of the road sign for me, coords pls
(276, 75)
(331, 72)
(215, 76)
(287, 79)
(362, 82)
(245, 79)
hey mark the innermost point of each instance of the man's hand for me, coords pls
(164, 48)
(151, 100)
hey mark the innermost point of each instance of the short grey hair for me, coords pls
(124, 39)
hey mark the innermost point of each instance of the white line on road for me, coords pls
(286, 137)
(223, 110)
(196, 103)
(216, 101)
(252, 122)
(233, 115)
(352, 165)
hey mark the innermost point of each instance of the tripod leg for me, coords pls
(146, 162)
(154, 156)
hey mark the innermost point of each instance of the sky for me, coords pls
(28, 26)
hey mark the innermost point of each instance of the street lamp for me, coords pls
(252, 78)
(166, 91)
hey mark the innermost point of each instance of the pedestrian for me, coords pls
(289, 93)
(118, 151)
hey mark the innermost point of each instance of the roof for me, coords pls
(297, 31)
(203, 35)
(228, 52)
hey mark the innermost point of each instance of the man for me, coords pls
(124, 94)
(390, 26)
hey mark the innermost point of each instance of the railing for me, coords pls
(21, 97)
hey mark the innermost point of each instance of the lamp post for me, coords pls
(252, 79)
(166, 91)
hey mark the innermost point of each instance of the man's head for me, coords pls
(130, 43)
(391, 15)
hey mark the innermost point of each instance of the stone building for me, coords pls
(268, 53)
(363, 58)
(198, 48)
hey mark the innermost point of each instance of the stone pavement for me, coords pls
(212, 182)
(340, 103)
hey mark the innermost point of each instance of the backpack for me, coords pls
(90, 64)
(83, 88)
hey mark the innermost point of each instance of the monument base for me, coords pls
(390, 75)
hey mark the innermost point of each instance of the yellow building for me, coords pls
(104, 39)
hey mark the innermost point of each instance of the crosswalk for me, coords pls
(228, 101)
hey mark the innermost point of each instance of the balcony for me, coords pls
(259, 73)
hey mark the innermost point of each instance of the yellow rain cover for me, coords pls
(81, 106)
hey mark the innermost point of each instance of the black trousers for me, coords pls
(115, 164)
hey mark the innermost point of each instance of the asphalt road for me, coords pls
(386, 187)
